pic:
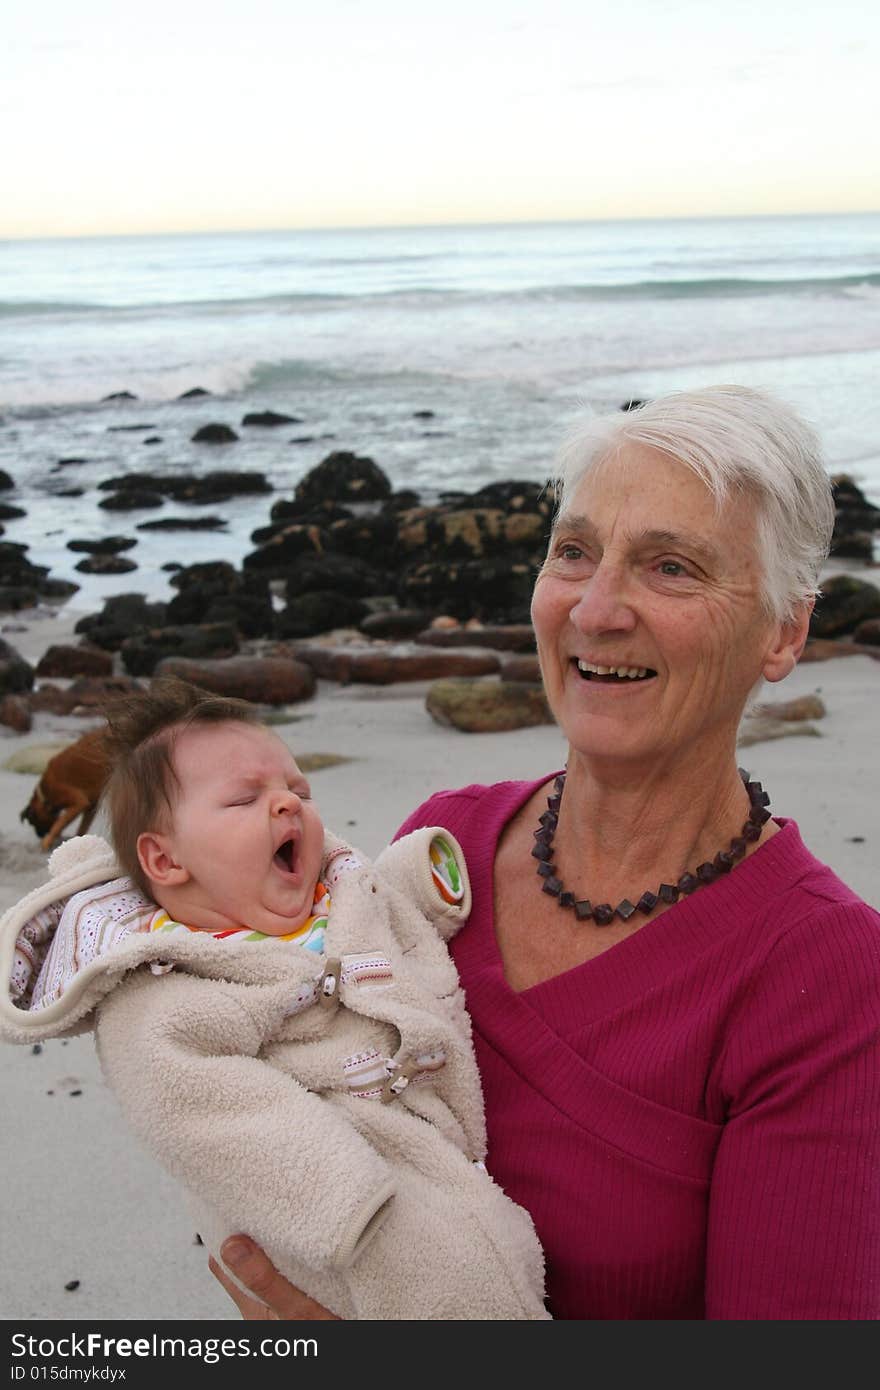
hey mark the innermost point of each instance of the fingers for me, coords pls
(250, 1309)
(271, 1291)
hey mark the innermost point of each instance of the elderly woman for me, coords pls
(675, 1005)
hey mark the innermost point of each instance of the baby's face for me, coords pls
(245, 829)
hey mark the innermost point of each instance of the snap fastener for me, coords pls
(328, 985)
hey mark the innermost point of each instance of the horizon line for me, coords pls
(437, 226)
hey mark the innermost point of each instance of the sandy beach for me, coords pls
(82, 1202)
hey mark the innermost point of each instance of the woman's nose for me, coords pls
(603, 603)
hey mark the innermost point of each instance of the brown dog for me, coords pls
(71, 786)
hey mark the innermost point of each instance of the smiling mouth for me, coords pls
(285, 856)
(612, 675)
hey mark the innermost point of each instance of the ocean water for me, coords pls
(503, 332)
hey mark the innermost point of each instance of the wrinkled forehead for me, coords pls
(211, 752)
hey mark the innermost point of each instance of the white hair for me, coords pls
(735, 439)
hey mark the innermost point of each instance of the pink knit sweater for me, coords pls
(693, 1117)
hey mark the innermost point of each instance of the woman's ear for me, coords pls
(788, 643)
(157, 860)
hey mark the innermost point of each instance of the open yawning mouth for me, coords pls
(285, 855)
(611, 675)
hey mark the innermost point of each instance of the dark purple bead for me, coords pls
(688, 884)
(737, 847)
(554, 803)
(548, 819)
(583, 910)
(760, 815)
(625, 909)
(543, 834)
(647, 902)
(547, 869)
(723, 861)
(603, 913)
(559, 782)
(544, 851)
(751, 832)
(762, 800)
(668, 892)
(707, 873)
(552, 886)
(566, 899)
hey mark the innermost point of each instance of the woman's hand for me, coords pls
(273, 1296)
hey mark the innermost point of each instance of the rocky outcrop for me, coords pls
(15, 713)
(856, 520)
(214, 434)
(67, 662)
(346, 477)
(23, 584)
(308, 614)
(142, 653)
(105, 564)
(16, 674)
(262, 680)
(269, 419)
(517, 637)
(131, 499)
(487, 706)
(843, 604)
(105, 545)
(401, 661)
(217, 593)
(396, 623)
(122, 616)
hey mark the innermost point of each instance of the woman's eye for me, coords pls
(570, 552)
(672, 568)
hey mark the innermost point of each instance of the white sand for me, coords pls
(80, 1199)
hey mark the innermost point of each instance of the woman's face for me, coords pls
(643, 575)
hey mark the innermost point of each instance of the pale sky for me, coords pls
(180, 115)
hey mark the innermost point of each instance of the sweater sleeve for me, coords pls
(794, 1217)
(266, 1155)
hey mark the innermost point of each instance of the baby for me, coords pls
(280, 1020)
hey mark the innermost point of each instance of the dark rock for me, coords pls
(470, 533)
(142, 652)
(121, 617)
(302, 439)
(794, 711)
(423, 415)
(214, 434)
(403, 661)
(341, 574)
(16, 674)
(519, 637)
(57, 588)
(345, 477)
(129, 429)
(184, 523)
(217, 593)
(516, 496)
(66, 662)
(521, 667)
(318, 611)
(268, 419)
(262, 680)
(842, 605)
(402, 501)
(15, 597)
(154, 439)
(70, 492)
(217, 485)
(371, 538)
(105, 564)
(487, 706)
(319, 513)
(282, 550)
(120, 396)
(825, 649)
(396, 624)
(131, 500)
(868, 632)
(5, 481)
(493, 590)
(72, 1283)
(10, 513)
(105, 545)
(857, 545)
(69, 462)
(51, 699)
(15, 713)
(193, 394)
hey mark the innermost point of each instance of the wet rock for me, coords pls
(51, 699)
(121, 616)
(868, 632)
(331, 572)
(401, 661)
(402, 501)
(214, 434)
(856, 545)
(762, 728)
(516, 637)
(346, 477)
(317, 514)
(824, 649)
(513, 495)
(842, 605)
(66, 662)
(15, 597)
(105, 545)
(184, 523)
(131, 500)
(371, 538)
(153, 439)
(302, 439)
(120, 396)
(129, 429)
(487, 706)
(5, 481)
(193, 394)
(94, 693)
(15, 713)
(217, 593)
(269, 419)
(282, 550)
(16, 674)
(494, 590)
(220, 484)
(262, 680)
(397, 623)
(105, 564)
(142, 653)
(10, 513)
(318, 611)
(423, 414)
(520, 667)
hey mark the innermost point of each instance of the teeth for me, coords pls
(629, 672)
